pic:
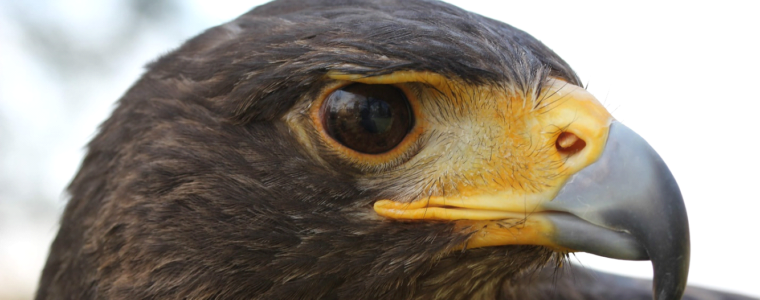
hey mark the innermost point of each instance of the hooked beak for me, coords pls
(633, 200)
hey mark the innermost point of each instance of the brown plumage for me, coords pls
(197, 188)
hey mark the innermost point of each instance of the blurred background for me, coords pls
(684, 75)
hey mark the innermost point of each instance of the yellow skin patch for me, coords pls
(489, 157)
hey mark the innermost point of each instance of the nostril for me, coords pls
(569, 143)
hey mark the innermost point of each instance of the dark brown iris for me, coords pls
(367, 118)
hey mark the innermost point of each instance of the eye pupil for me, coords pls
(376, 115)
(367, 118)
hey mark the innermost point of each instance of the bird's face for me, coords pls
(490, 161)
(485, 157)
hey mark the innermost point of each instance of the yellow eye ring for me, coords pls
(408, 145)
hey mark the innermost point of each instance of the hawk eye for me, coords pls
(367, 118)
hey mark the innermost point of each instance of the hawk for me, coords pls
(392, 149)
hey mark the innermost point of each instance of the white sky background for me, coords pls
(684, 75)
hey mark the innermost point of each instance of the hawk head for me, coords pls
(359, 149)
